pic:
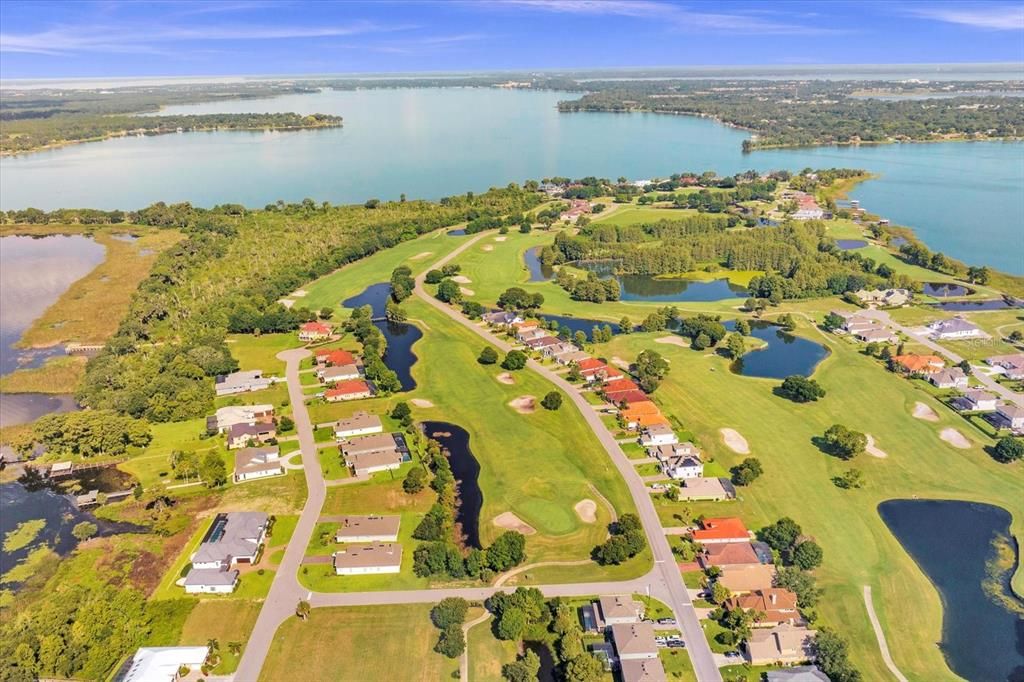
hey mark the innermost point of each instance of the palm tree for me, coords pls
(303, 609)
(235, 648)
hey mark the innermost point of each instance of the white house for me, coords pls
(161, 663)
(953, 329)
(234, 538)
(658, 434)
(256, 463)
(950, 377)
(362, 559)
(359, 424)
(368, 529)
(976, 401)
(241, 382)
(226, 417)
(681, 467)
(1011, 417)
(330, 375)
(211, 581)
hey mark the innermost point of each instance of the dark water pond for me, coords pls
(547, 660)
(945, 289)
(969, 306)
(539, 272)
(784, 355)
(951, 542)
(466, 469)
(20, 504)
(457, 233)
(850, 244)
(649, 288)
(22, 408)
(400, 336)
(580, 324)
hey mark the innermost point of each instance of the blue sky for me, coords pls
(41, 39)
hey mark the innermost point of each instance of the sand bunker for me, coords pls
(873, 449)
(955, 438)
(466, 292)
(500, 239)
(734, 441)
(673, 341)
(421, 255)
(286, 302)
(420, 402)
(299, 293)
(510, 521)
(586, 510)
(524, 404)
(461, 279)
(922, 411)
(487, 247)
(506, 378)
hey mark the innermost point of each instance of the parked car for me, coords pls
(666, 621)
(676, 644)
(732, 654)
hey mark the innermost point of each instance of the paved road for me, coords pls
(285, 591)
(989, 382)
(665, 580)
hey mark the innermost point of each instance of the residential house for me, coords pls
(803, 673)
(950, 377)
(559, 348)
(542, 342)
(367, 558)
(627, 397)
(1012, 365)
(211, 581)
(241, 435)
(619, 386)
(701, 488)
(877, 334)
(532, 334)
(887, 298)
(721, 529)
(682, 467)
(577, 208)
(783, 643)
(1010, 417)
(728, 554)
(919, 364)
(954, 329)
(368, 529)
(335, 357)
(226, 417)
(162, 663)
(976, 400)
(359, 424)
(741, 579)
(592, 369)
(666, 450)
(570, 356)
(777, 604)
(634, 641)
(314, 331)
(642, 670)
(501, 318)
(620, 609)
(336, 373)
(524, 327)
(809, 214)
(639, 420)
(378, 452)
(254, 463)
(378, 442)
(368, 463)
(611, 374)
(233, 538)
(241, 382)
(355, 389)
(658, 434)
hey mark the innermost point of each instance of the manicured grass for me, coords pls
(56, 375)
(187, 436)
(359, 643)
(260, 352)
(487, 653)
(593, 398)
(711, 631)
(276, 395)
(859, 549)
(331, 464)
(225, 621)
(634, 214)
(677, 665)
(634, 450)
(649, 469)
(92, 308)
(653, 608)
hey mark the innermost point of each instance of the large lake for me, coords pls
(966, 199)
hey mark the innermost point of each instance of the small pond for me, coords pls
(539, 272)
(974, 306)
(666, 290)
(579, 324)
(457, 233)
(951, 541)
(547, 660)
(466, 469)
(784, 355)
(400, 336)
(945, 289)
(851, 244)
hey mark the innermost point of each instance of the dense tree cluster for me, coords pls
(448, 616)
(90, 433)
(800, 389)
(517, 298)
(626, 541)
(843, 442)
(590, 288)
(650, 369)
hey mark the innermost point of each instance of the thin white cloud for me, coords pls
(992, 17)
(678, 17)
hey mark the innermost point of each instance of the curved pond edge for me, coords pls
(466, 468)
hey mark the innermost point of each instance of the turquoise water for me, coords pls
(966, 199)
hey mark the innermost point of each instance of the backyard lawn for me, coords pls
(225, 621)
(260, 352)
(359, 643)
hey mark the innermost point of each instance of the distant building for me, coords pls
(314, 331)
(241, 382)
(887, 298)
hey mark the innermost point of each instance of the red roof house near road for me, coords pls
(348, 390)
(590, 363)
(722, 529)
(338, 357)
(629, 397)
(620, 385)
(311, 331)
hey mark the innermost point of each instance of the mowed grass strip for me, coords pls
(859, 549)
(359, 643)
(225, 621)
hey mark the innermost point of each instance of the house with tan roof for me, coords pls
(976, 400)
(658, 434)
(359, 424)
(781, 644)
(953, 329)
(241, 435)
(367, 463)
(707, 488)
(620, 609)
(331, 374)
(1012, 365)
(949, 377)
(226, 417)
(1009, 417)
(634, 641)
(368, 558)
(368, 529)
(256, 463)
(728, 554)
(777, 605)
(642, 670)
(741, 579)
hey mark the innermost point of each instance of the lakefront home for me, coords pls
(886, 298)
(950, 377)
(314, 331)
(501, 318)
(241, 382)
(336, 373)
(354, 389)
(256, 463)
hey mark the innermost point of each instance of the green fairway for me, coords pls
(357, 644)
(859, 549)
(260, 352)
(634, 214)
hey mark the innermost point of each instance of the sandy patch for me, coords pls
(420, 402)
(586, 510)
(421, 255)
(461, 279)
(955, 438)
(506, 378)
(299, 293)
(619, 362)
(500, 239)
(466, 292)
(524, 404)
(873, 449)
(734, 441)
(487, 247)
(286, 302)
(922, 411)
(510, 521)
(673, 341)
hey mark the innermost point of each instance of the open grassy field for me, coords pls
(487, 653)
(92, 308)
(260, 352)
(225, 621)
(56, 375)
(859, 549)
(359, 643)
(634, 214)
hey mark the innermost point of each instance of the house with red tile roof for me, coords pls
(777, 604)
(920, 364)
(628, 397)
(314, 331)
(620, 385)
(335, 357)
(348, 390)
(721, 529)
